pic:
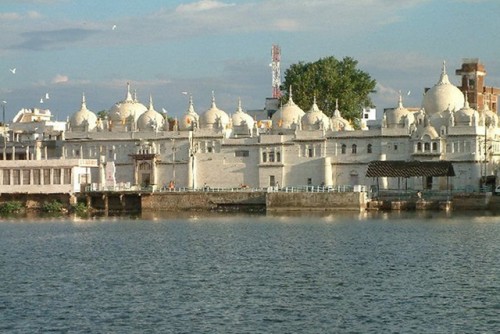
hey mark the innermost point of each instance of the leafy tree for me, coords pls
(329, 79)
(102, 114)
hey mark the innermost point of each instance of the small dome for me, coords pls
(465, 115)
(240, 118)
(151, 120)
(190, 120)
(491, 117)
(443, 96)
(83, 119)
(396, 118)
(287, 115)
(315, 119)
(121, 111)
(339, 123)
(214, 118)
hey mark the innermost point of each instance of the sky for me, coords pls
(67, 48)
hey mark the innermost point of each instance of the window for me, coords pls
(57, 176)
(271, 156)
(419, 146)
(67, 175)
(434, 146)
(264, 157)
(354, 149)
(36, 177)
(26, 176)
(16, 176)
(241, 153)
(310, 152)
(46, 176)
(369, 148)
(427, 147)
(395, 147)
(309, 181)
(272, 180)
(343, 150)
(278, 156)
(6, 177)
(209, 149)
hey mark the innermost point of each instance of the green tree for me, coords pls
(102, 114)
(329, 79)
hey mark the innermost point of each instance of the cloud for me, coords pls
(58, 79)
(202, 5)
(53, 39)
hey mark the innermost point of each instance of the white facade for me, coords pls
(297, 148)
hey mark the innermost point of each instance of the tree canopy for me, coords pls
(329, 79)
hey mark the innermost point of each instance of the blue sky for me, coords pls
(163, 48)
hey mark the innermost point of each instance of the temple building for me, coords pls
(134, 147)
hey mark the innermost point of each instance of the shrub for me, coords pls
(11, 207)
(54, 206)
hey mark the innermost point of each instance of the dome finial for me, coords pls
(129, 96)
(84, 103)
(290, 94)
(151, 102)
(444, 76)
(400, 105)
(239, 105)
(466, 104)
(213, 99)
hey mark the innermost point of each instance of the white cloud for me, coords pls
(202, 5)
(59, 79)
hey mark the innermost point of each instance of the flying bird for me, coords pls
(41, 100)
(13, 70)
(164, 111)
(185, 93)
(47, 96)
(114, 27)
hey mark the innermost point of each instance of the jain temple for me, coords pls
(136, 148)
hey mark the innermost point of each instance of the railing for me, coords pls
(288, 189)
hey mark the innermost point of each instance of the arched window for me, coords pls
(278, 156)
(427, 147)
(354, 149)
(264, 157)
(369, 148)
(434, 146)
(344, 148)
(419, 147)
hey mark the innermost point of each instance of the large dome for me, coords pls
(151, 120)
(442, 96)
(214, 118)
(288, 115)
(83, 119)
(121, 111)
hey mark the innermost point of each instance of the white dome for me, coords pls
(121, 111)
(287, 115)
(214, 118)
(443, 96)
(465, 115)
(338, 123)
(240, 118)
(151, 120)
(315, 119)
(191, 119)
(83, 119)
(397, 117)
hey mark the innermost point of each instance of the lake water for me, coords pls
(232, 273)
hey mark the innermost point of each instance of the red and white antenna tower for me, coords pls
(275, 65)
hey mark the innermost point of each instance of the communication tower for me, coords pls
(275, 65)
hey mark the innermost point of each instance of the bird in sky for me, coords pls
(47, 96)
(164, 111)
(41, 100)
(114, 27)
(13, 70)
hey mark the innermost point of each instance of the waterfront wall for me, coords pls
(283, 201)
